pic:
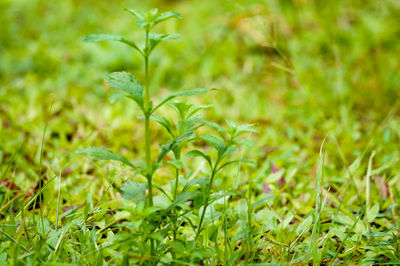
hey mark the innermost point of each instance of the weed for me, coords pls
(159, 223)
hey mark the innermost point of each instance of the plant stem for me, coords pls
(249, 221)
(58, 200)
(214, 170)
(177, 157)
(148, 161)
(207, 198)
(147, 122)
(147, 113)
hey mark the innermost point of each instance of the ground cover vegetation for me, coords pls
(266, 133)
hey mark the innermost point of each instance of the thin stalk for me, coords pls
(207, 198)
(58, 200)
(147, 122)
(249, 220)
(214, 170)
(176, 182)
(226, 240)
(148, 161)
(177, 156)
(10, 162)
(147, 113)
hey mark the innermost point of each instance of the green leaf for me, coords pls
(178, 246)
(149, 19)
(127, 82)
(111, 37)
(191, 92)
(372, 212)
(355, 165)
(245, 129)
(235, 161)
(163, 122)
(198, 153)
(262, 201)
(116, 97)
(197, 108)
(140, 17)
(166, 15)
(246, 142)
(236, 130)
(102, 153)
(231, 124)
(227, 151)
(214, 141)
(162, 191)
(198, 182)
(190, 124)
(155, 166)
(157, 236)
(184, 196)
(178, 164)
(134, 191)
(221, 130)
(202, 253)
(165, 148)
(156, 38)
(304, 225)
(181, 108)
(275, 176)
(182, 138)
(153, 12)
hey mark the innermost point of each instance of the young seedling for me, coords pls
(224, 145)
(155, 228)
(131, 88)
(184, 132)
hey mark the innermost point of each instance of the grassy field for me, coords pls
(320, 81)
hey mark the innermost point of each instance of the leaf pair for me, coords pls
(237, 130)
(174, 144)
(190, 92)
(144, 20)
(133, 89)
(185, 123)
(224, 146)
(153, 40)
(187, 110)
(233, 130)
(156, 38)
(148, 20)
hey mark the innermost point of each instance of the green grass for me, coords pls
(303, 71)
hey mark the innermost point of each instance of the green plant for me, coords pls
(224, 146)
(133, 89)
(158, 223)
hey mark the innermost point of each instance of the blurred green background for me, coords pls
(301, 70)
